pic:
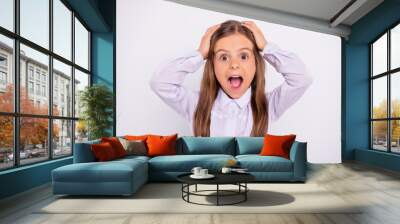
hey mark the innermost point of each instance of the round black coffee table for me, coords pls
(238, 179)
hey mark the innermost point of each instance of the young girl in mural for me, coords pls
(232, 100)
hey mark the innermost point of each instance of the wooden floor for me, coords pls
(378, 188)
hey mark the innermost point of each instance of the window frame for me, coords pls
(3, 70)
(15, 72)
(3, 74)
(388, 74)
(6, 61)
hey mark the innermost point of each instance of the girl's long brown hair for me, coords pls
(210, 85)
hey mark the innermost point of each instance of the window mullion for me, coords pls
(389, 113)
(370, 98)
(50, 87)
(73, 82)
(16, 84)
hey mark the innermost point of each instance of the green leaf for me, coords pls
(97, 103)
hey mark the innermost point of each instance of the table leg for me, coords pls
(245, 193)
(196, 188)
(217, 194)
(182, 189)
(188, 189)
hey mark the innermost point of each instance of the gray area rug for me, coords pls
(166, 198)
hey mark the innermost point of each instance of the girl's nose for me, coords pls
(234, 65)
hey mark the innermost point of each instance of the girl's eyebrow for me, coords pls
(243, 48)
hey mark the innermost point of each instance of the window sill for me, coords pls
(25, 167)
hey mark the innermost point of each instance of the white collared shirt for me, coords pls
(231, 117)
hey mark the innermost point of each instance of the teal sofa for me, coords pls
(126, 175)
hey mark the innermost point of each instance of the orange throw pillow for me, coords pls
(136, 137)
(103, 151)
(161, 145)
(116, 145)
(275, 145)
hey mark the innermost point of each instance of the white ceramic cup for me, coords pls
(196, 170)
(203, 172)
(226, 170)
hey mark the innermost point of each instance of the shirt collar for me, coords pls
(242, 102)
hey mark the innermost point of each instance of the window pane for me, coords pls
(395, 94)
(81, 131)
(81, 81)
(81, 45)
(35, 21)
(6, 142)
(33, 140)
(379, 135)
(62, 136)
(7, 14)
(395, 136)
(6, 74)
(62, 29)
(62, 89)
(34, 79)
(379, 100)
(379, 55)
(395, 47)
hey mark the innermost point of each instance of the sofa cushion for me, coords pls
(159, 145)
(249, 145)
(134, 147)
(277, 145)
(257, 163)
(93, 172)
(103, 151)
(111, 171)
(189, 145)
(136, 137)
(185, 163)
(131, 158)
(116, 145)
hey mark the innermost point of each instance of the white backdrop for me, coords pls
(149, 32)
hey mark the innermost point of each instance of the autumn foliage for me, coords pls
(33, 130)
(380, 127)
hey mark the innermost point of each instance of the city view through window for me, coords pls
(39, 114)
(385, 87)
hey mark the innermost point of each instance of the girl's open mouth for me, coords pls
(235, 81)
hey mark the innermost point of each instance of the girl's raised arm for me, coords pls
(297, 80)
(289, 65)
(167, 82)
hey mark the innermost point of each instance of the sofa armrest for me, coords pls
(83, 152)
(298, 155)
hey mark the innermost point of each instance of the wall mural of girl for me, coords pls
(232, 100)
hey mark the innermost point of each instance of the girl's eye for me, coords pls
(223, 57)
(244, 56)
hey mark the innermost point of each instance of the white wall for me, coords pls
(149, 32)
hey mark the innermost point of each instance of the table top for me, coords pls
(220, 178)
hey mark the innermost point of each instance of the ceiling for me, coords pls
(326, 16)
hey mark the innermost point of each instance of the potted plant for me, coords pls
(96, 102)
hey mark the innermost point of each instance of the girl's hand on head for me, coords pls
(205, 40)
(258, 35)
